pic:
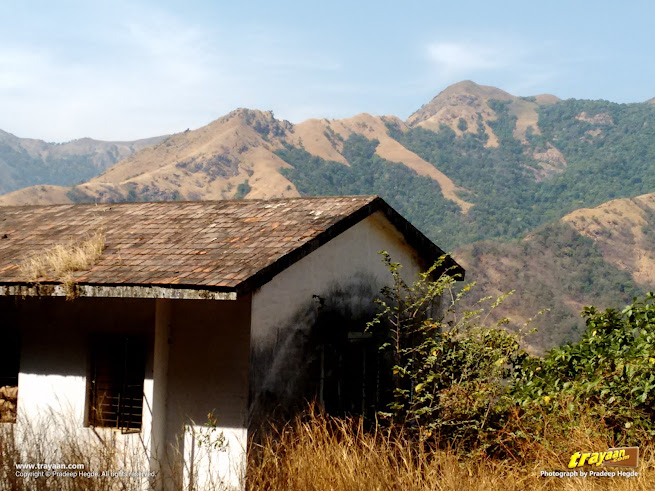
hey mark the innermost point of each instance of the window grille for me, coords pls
(117, 375)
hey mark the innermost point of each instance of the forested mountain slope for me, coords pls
(495, 177)
(602, 256)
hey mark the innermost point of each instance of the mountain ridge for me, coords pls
(25, 161)
(548, 196)
(467, 101)
(239, 152)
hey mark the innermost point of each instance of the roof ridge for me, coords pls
(231, 201)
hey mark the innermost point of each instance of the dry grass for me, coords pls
(56, 440)
(321, 453)
(617, 228)
(61, 261)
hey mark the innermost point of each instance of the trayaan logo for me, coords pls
(613, 457)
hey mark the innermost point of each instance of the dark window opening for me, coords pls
(9, 367)
(116, 388)
(350, 376)
(349, 367)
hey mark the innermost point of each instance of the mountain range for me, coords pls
(25, 162)
(546, 196)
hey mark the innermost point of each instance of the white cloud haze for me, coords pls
(462, 58)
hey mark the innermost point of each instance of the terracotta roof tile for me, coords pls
(221, 243)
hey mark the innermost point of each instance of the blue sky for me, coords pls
(127, 70)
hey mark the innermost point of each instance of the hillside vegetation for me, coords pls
(606, 151)
(417, 197)
(553, 268)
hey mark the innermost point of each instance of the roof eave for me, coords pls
(421, 243)
(114, 291)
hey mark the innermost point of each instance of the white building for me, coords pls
(197, 320)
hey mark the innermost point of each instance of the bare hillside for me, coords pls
(36, 195)
(234, 156)
(624, 229)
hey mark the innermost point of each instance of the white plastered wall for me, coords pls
(54, 367)
(207, 392)
(355, 252)
(349, 262)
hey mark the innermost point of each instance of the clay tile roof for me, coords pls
(219, 245)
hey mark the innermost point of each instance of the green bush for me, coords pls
(460, 383)
(242, 190)
(611, 370)
(448, 373)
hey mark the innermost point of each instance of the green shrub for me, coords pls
(448, 373)
(463, 384)
(611, 370)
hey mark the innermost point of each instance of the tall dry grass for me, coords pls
(319, 452)
(323, 453)
(56, 440)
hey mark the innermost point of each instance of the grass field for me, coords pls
(318, 452)
(321, 453)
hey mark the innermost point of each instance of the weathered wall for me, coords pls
(55, 365)
(347, 274)
(197, 364)
(208, 374)
(55, 343)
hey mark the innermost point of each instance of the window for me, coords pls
(9, 365)
(350, 377)
(116, 388)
